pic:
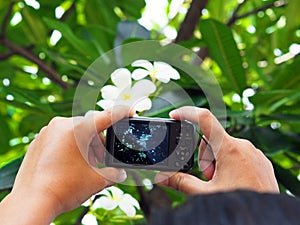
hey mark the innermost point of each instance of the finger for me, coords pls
(104, 119)
(208, 123)
(87, 127)
(206, 160)
(182, 182)
(43, 130)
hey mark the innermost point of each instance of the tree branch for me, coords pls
(52, 74)
(276, 4)
(6, 19)
(26, 52)
(6, 55)
(203, 52)
(68, 12)
(235, 12)
(190, 21)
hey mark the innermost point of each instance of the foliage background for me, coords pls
(252, 47)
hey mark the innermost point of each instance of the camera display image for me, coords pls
(142, 143)
(151, 143)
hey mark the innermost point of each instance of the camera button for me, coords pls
(177, 164)
(187, 142)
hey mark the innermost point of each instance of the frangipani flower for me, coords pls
(158, 70)
(89, 219)
(113, 197)
(123, 93)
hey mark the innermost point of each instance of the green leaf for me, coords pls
(224, 51)
(270, 141)
(287, 179)
(3, 194)
(283, 118)
(80, 45)
(100, 36)
(24, 106)
(267, 102)
(69, 217)
(287, 76)
(5, 134)
(101, 12)
(63, 108)
(8, 174)
(34, 27)
(33, 123)
(131, 8)
(170, 100)
(67, 62)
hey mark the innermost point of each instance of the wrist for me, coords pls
(30, 208)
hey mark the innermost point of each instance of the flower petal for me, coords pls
(106, 104)
(142, 104)
(87, 202)
(105, 203)
(89, 219)
(117, 193)
(105, 192)
(121, 78)
(128, 209)
(128, 198)
(165, 72)
(143, 63)
(143, 88)
(110, 92)
(139, 74)
(162, 77)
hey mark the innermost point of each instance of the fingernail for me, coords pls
(173, 113)
(122, 176)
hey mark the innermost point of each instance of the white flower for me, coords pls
(158, 70)
(89, 219)
(123, 93)
(113, 197)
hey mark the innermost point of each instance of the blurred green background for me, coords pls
(251, 46)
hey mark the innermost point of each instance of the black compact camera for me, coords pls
(151, 143)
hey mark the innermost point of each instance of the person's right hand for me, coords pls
(228, 163)
(59, 171)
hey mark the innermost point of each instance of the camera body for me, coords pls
(151, 143)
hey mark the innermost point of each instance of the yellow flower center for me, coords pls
(152, 75)
(114, 198)
(126, 96)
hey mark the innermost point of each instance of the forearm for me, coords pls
(26, 209)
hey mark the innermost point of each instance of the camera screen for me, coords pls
(144, 143)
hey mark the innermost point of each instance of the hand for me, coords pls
(228, 163)
(56, 174)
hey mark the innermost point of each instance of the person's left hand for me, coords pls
(56, 171)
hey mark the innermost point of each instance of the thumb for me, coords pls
(111, 175)
(182, 182)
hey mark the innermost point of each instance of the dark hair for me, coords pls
(232, 208)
